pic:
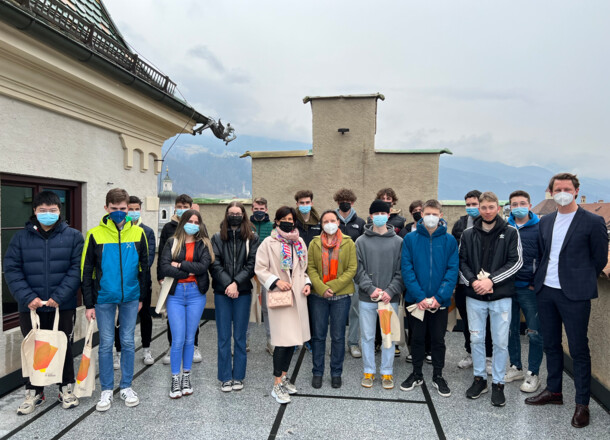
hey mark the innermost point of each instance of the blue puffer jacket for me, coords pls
(529, 241)
(38, 267)
(430, 265)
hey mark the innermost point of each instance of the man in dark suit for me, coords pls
(574, 248)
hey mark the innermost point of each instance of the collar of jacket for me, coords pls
(478, 224)
(105, 222)
(318, 240)
(33, 226)
(314, 217)
(264, 220)
(533, 219)
(349, 217)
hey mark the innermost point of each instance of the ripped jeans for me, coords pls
(499, 312)
(525, 299)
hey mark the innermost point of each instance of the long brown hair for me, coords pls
(202, 235)
(246, 227)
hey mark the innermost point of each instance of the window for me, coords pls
(164, 215)
(16, 195)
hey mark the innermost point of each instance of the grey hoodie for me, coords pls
(379, 264)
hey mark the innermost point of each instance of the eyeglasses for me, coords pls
(47, 211)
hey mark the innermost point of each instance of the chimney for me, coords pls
(600, 201)
(583, 199)
(547, 194)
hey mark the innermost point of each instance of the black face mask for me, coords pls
(489, 222)
(286, 226)
(259, 216)
(345, 206)
(234, 220)
(416, 216)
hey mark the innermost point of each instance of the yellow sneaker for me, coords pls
(387, 381)
(367, 380)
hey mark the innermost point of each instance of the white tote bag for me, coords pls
(43, 353)
(85, 378)
(165, 287)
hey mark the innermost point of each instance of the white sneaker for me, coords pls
(197, 355)
(488, 367)
(105, 401)
(31, 402)
(279, 394)
(166, 359)
(238, 385)
(512, 374)
(466, 362)
(288, 386)
(130, 397)
(148, 357)
(116, 360)
(67, 398)
(531, 383)
(355, 351)
(227, 386)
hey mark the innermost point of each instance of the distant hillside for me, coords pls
(203, 165)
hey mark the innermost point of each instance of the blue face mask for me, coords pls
(47, 218)
(191, 228)
(179, 212)
(380, 220)
(472, 212)
(520, 212)
(118, 216)
(135, 215)
(305, 209)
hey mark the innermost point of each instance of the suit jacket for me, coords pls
(583, 255)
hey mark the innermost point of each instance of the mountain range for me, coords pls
(204, 167)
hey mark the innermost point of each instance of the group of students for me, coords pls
(333, 267)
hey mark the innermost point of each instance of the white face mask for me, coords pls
(331, 228)
(431, 221)
(563, 198)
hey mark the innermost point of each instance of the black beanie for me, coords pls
(379, 206)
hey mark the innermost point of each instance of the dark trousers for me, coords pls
(434, 325)
(409, 325)
(145, 326)
(460, 303)
(66, 325)
(281, 359)
(554, 308)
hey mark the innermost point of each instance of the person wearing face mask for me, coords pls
(235, 247)
(114, 270)
(379, 279)
(574, 246)
(307, 220)
(42, 263)
(281, 265)
(263, 227)
(490, 257)
(430, 266)
(187, 263)
(464, 222)
(415, 209)
(525, 299)
(396, 220)
(332, 266)
(135, 206)
(183, 203)
(353, 226)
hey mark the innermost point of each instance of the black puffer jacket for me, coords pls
(199, 266)
(505, 260)
(232, 264)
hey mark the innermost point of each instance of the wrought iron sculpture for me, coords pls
(226, 134)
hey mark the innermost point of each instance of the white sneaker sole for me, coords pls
(479, 395)
(148, 361)
(278, 400)
(439, 391)
(464, 367)
(65, 405)
(175, 395)
(166, 360)
(417, 383)
(132, 404)
(102, 408)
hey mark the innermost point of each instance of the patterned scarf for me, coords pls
(330, 256)
(289, 240)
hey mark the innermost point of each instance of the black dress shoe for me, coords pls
(336, 382)
(544, 398)
(316, 382)
(581, 416)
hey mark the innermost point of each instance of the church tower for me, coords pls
(167, 198)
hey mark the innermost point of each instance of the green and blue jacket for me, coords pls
(114, 265)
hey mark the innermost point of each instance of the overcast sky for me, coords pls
(520, 82)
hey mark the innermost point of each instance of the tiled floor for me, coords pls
(351, 412)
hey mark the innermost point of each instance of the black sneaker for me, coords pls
(414, 380)
(497, 394)
(441, 386)
(478, 387)
(396, 351)
(316, 382)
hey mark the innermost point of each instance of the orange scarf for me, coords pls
(330, 256)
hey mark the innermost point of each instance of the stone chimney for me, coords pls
(547, 194)
(583, 199)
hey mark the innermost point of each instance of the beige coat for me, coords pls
(289, 325)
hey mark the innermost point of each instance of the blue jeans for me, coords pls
(525, 299)
(321, 310)
(368, 327)
(184, 310)
(232, 316)
(105, 316)
(499, 317)
(353, 335)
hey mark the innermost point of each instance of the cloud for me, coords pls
(478, 94)
(234, 76)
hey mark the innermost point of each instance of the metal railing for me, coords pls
(63, 17)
